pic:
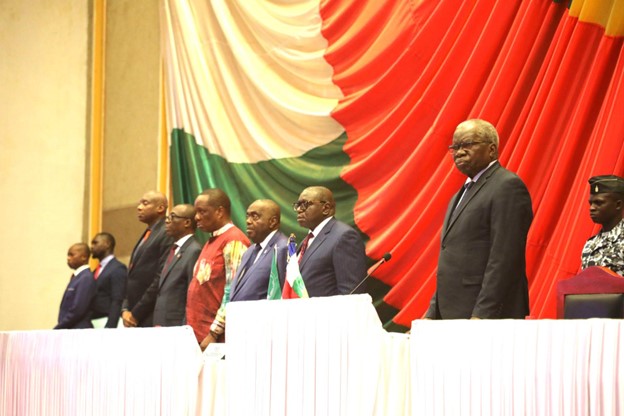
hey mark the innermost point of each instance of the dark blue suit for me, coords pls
(252, 279)
(167, 295)
(335, 262)
(110, 292)
(74, 311)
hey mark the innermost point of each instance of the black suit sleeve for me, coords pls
(118, 293)
(432, 312)
(349, 261)
(148, 301)
(145, 306)
(510, 220)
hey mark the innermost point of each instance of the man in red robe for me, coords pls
(209, 290)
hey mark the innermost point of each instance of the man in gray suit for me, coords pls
(166, 296)
(252, 277)
(332, 259)
(481, 269)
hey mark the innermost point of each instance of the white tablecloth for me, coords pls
(324, 356)
(533, 367)
(99, 372)
(320, 356)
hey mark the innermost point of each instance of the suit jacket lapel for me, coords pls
(236, 284)
(167, 269)
(138, 248)
(268, 250)
(449, 211)
(318, 240)
(453, 215)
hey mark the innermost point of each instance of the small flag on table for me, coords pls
(274, 291)
(293, 286)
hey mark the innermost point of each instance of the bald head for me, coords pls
(270, 207)
(187, 211)
(263, 217)
(152, 207)
(181, 221)
(481, 129)
(322, 194)
(475, 146)
(319, 204)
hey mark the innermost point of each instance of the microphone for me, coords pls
(386, 257)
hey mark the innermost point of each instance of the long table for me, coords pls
(511, 367)
(99, 372)
(324, 356)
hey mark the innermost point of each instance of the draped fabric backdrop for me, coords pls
(267, 97)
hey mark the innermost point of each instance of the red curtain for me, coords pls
(412, 70)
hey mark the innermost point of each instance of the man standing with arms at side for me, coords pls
(148, 256)
(606, 202)
(167, 295)
(209, 290)
(332, 259)
(110, 282)
(252, 279)
(74, 311)
(481, 268)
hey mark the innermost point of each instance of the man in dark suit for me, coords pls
(74, 311)
(110, 282)
(167, 295)
(481, 269)
(252, 277)
(332, 259)
(148, 257)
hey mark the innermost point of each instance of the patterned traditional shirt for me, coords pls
(209, 290)
(605, 249)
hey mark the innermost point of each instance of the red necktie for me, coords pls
(145, 236)
(170, 257)
(304, 245)
(97, 271)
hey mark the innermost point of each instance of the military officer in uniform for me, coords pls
(606, 202)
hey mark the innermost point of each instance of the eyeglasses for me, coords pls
(464, 145)
(174, 216)
(304, 205)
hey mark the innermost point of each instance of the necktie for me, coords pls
(467, 187)
(255, 253)
(304, 245)
(136, 249)
(250, 261)
(145, 237)
(171, 255)
(97, 271)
